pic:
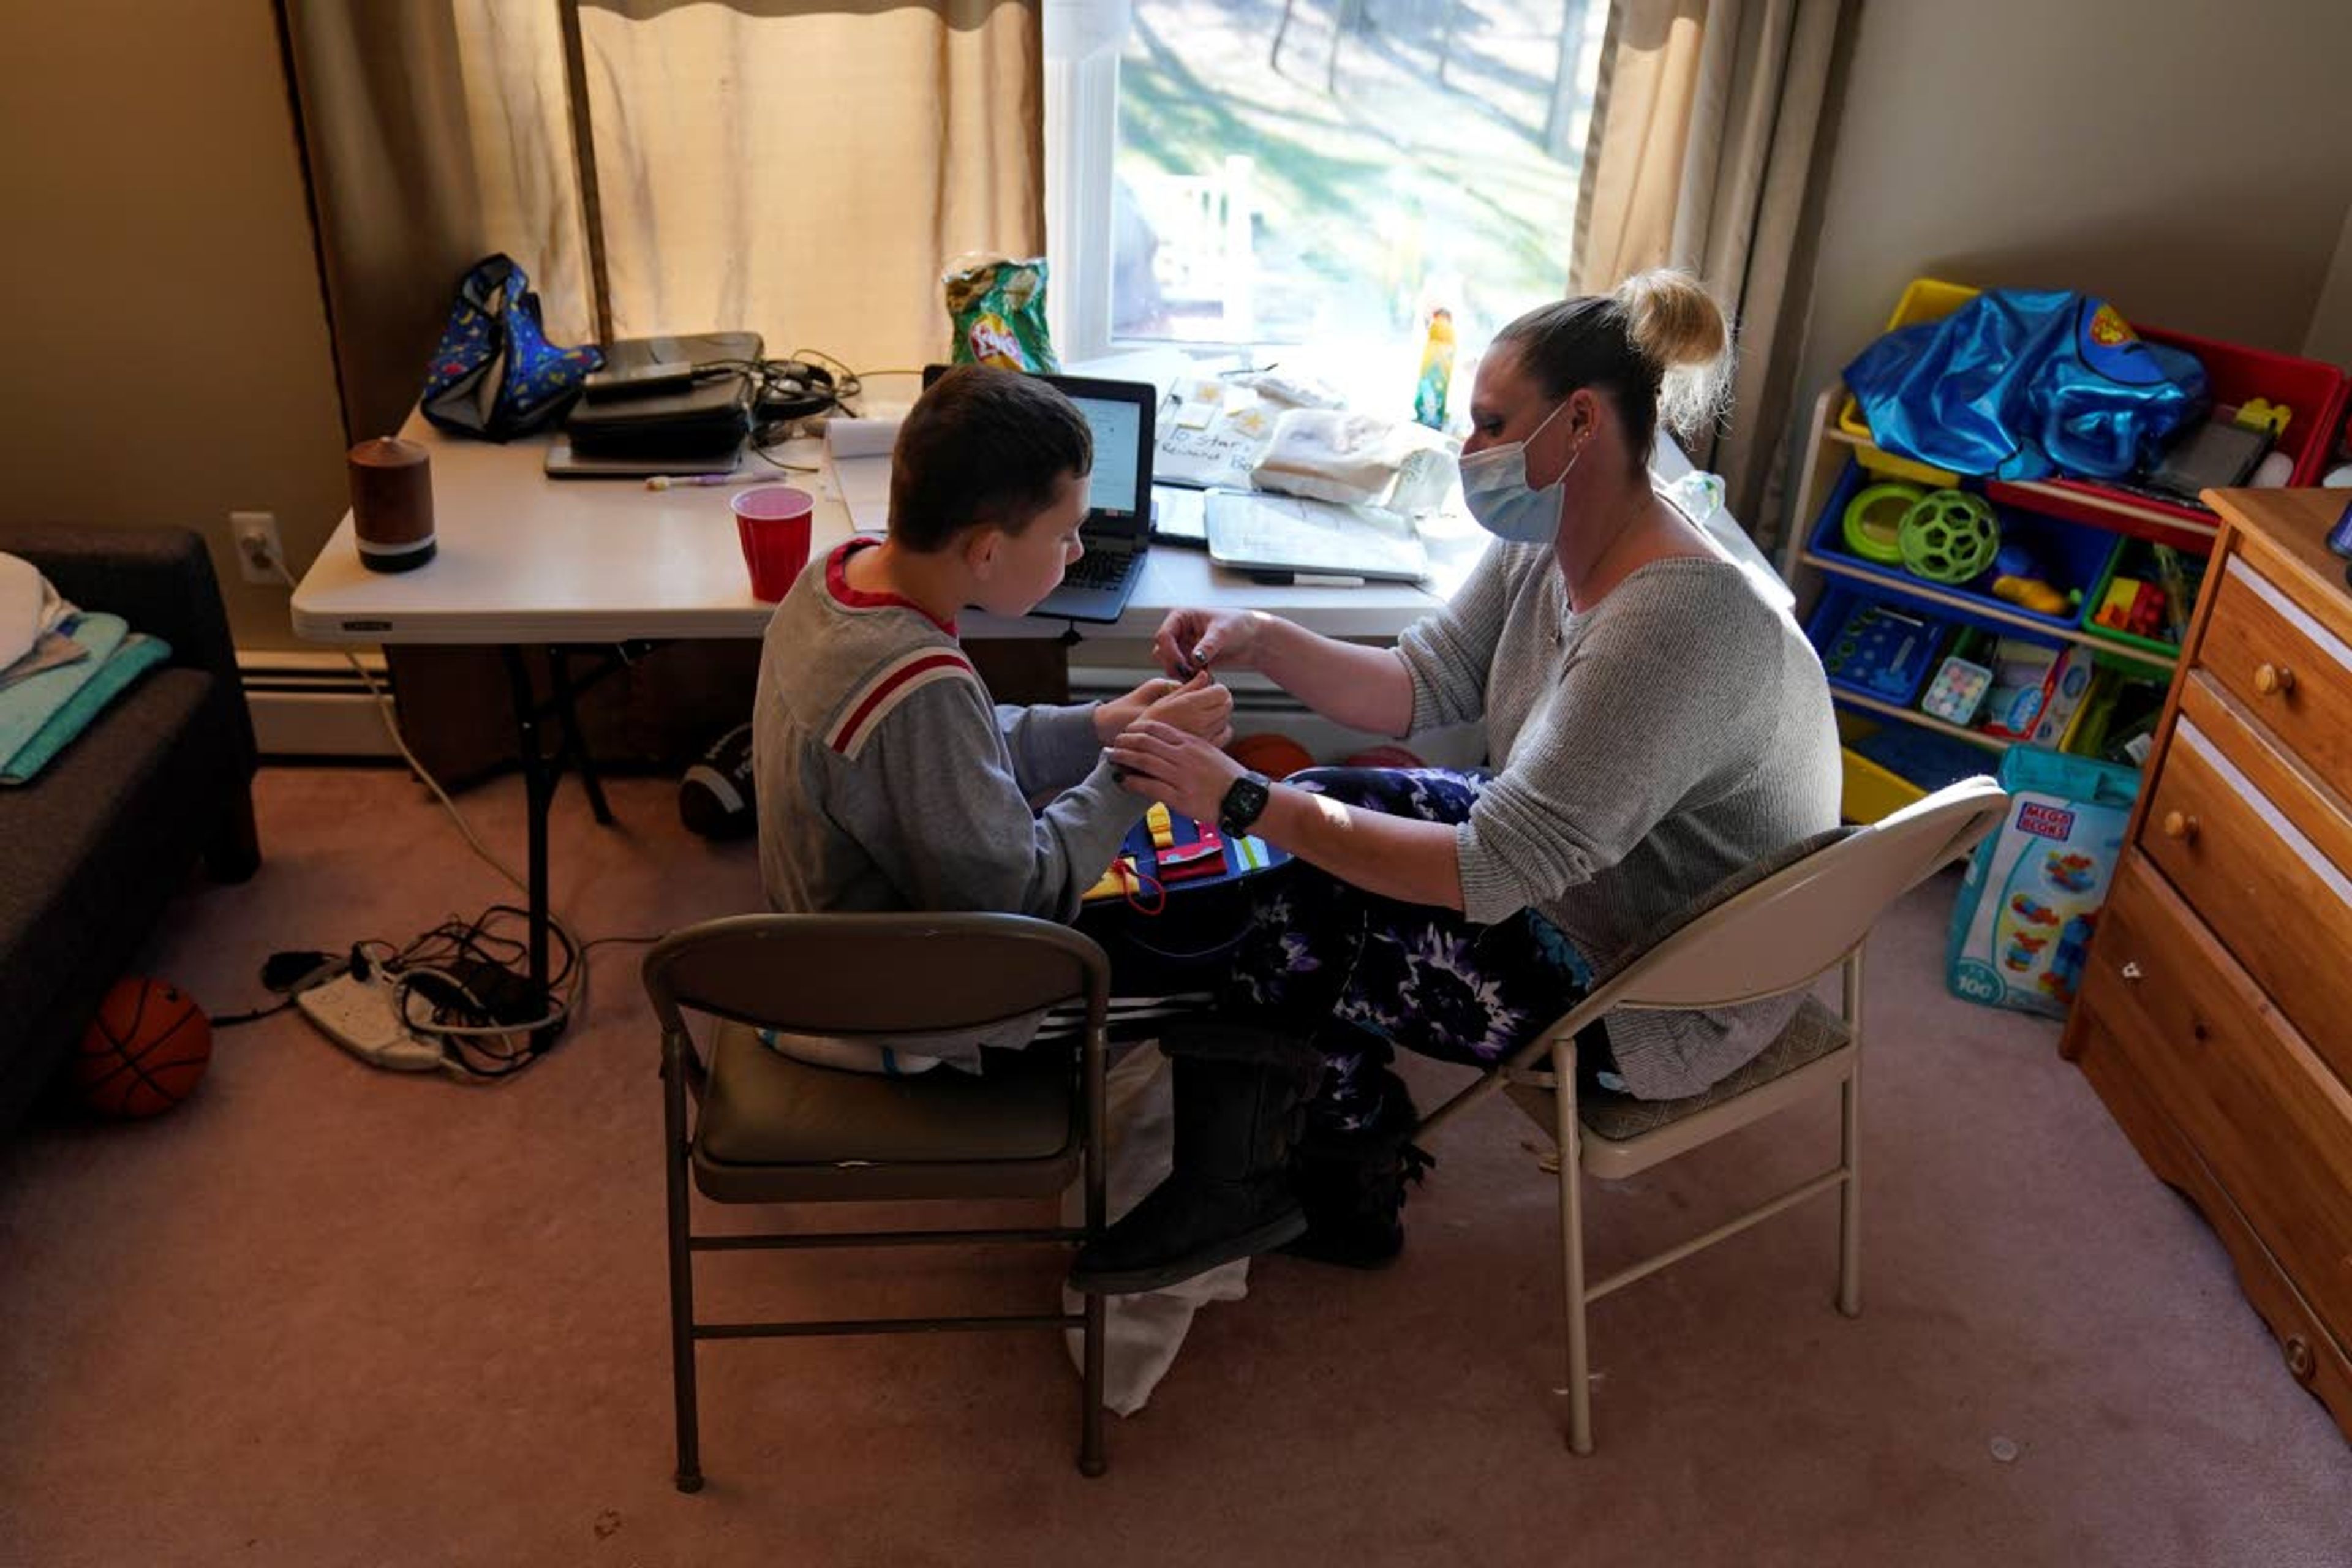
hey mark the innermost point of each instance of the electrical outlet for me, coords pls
(259, 553)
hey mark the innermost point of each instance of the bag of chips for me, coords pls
(997, 307)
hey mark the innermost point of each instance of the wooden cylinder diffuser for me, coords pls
(392, 503)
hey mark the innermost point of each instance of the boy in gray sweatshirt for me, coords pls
(887, 776)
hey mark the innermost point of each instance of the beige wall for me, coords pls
(2189, 160)
(2330, 337)
(168, 354)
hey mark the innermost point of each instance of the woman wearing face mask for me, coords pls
(1651, 725)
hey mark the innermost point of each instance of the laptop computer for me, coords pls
(1117, 528)
(1279, 537)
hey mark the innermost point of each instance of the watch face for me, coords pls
(1244, 800)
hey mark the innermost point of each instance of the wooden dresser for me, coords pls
(2215, 1015)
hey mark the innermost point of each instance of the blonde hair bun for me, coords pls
(1675, 323)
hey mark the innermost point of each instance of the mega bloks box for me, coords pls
(2031, 897)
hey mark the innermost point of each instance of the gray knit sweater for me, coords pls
(1645, 750)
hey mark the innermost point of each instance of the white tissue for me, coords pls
(860, 438)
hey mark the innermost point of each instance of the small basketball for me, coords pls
(145, 1051)
(1384, 757)
(1275, 756)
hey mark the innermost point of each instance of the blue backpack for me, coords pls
(495, 374)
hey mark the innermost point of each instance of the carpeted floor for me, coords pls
(325, 1315)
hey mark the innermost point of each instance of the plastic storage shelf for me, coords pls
(2071, 556)
(2075, 556)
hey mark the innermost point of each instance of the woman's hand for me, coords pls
(1192, 640)
(1163, 763)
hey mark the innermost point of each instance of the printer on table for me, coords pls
(668, 404)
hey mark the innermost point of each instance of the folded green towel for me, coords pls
(118, 657)
(31, 702)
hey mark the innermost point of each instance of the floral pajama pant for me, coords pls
(1355, 975)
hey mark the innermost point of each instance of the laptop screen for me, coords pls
(1121, 415)
(1114, 493)
(1119, 494)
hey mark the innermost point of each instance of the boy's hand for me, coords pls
(1163, 763)
(1189, 641)
(1200, 707)
(1118, 713)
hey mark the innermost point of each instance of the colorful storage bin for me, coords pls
(2071, 555)
(1876, 650)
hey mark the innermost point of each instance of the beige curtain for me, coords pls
(379, 97)
(803, 170)
(1710, 147)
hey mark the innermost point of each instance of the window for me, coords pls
(1318, 177)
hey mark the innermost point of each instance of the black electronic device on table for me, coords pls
(642, 410)
(1117, 528)
(1178, 520)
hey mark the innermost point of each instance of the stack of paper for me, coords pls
(860, 453)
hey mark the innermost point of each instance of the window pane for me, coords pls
(1396, 156)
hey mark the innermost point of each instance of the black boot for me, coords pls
(1352, 1184)
(1228, 1196)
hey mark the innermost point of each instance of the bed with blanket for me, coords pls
(124, 761)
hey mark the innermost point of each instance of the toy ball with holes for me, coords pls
(1948, 536)
(1873, 520)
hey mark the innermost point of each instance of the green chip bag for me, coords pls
(997, 307)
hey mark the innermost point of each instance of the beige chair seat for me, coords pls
(775, 1130)
(1812, 1034)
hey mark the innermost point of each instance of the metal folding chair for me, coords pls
(768, 1128)
(1765, 932)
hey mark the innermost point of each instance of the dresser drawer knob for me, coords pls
(2131, 969)
(2181, 826)
(2299, 1359)
(2273, 679)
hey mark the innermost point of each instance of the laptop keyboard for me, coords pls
(1097, 569)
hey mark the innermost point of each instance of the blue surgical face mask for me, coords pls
(1495, 488)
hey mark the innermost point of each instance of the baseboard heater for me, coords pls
(307, 704)
(311, 704)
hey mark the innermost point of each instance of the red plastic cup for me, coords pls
(773, 522)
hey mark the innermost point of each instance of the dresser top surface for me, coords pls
(2296, 523)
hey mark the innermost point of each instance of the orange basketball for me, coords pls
(145, 1051)
(1275, 756)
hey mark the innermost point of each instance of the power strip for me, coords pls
(360, 1016)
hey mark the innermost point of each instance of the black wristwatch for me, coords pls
(1244, 803)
